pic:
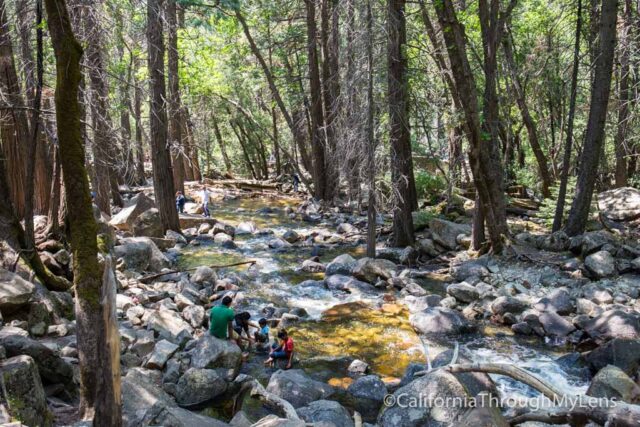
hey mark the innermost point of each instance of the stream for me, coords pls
(338, 324)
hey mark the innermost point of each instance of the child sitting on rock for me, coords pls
(261, 336)
(283, 350)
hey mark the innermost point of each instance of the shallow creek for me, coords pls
(340, 324)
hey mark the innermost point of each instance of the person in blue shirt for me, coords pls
(261, 336)
(180, 201)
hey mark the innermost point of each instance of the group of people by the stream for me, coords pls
(226, 324)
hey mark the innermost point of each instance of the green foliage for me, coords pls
(429, 186)
(548, 208)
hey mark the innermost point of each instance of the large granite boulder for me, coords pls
(15, 292)
(23, 393)
(446, 232)
(124, 219)
(370, 269)
(620, 204)
(210, 352)
(440, 323)
(141, 254)
(613, 324)
(169, 325)
(342, 264)
(338, 282)
(199, 386)
(368, 394)
(326, 413)
(297, 388)
(612, 383)
(148, 224)
(600, 264)
(623, 353)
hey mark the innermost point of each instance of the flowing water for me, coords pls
(340, 324)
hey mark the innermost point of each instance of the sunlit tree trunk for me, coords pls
(624, 97)
(174, 105)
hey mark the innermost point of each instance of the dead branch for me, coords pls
(151, 277)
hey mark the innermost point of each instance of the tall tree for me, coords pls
(99, 396)
(568, 147)
(624, 96)
(399, 134)
(370, 141)
(175, 106)
(104, 145)
(317, 116)
(160, 154)
(14, 126)
(594, 139)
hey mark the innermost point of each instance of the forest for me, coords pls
(436, 198)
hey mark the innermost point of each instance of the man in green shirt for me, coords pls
(220, 319)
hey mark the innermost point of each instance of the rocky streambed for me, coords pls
(564, 309)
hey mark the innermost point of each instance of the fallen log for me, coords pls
(247, 184)
(151, 277)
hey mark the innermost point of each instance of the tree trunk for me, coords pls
(624, 97)
(245, 153)
(174, 105)
(137, 107)
(221, 144)
(318, 140)
(568, 147)
(399, 133)
(98, 395)
(14, 127)
(160, 156)
(370, 142)
(104, 145)
(589, 159)
(529, 123)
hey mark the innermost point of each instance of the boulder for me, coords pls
(358, 368)
(177, 237)
(559, 300)
(274, 421)
(144, 344)
(144, 403)
(291, 236)
(15, 292)
(23, 393)
(194, 221)
(439, 323)
(297, 388)
(278, 243)
(199, 386)
(507, 304)
(161, 353)
(222, 238)
(210, 352)
(346, 228)
(463, 292)
(620, 204)
(245, 228)
(194, 314)
(326, 413)
(310, 266)
(612, 383)
(368, 395)
(338, 282)
(427, 247)
(193, 208)
(461, 271)
(53, 368)
(342, 264)
(141, 254)
(555, 325)
(600, 264)
(445, 232)
(170, 326)
(623, 353)
(125, 219)
(204, 276)
(369, 269)
(148, 224)
(425, 392)
(556, 242)
(613, 324)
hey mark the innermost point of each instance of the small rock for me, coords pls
(161, 353)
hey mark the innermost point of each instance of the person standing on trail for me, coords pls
(204, 194)
(180, 201)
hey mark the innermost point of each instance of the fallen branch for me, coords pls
(151, 277)
(257, 390)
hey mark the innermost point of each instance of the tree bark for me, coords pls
(318, 140)
(221, 144)
(174, 105)
(528, 120)
(160, 156)
(399, 134)
(97, 394)
(14, 127)
(370, 142)
(568, 147)
(624, 97)
(137, 114)
(589, 159)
